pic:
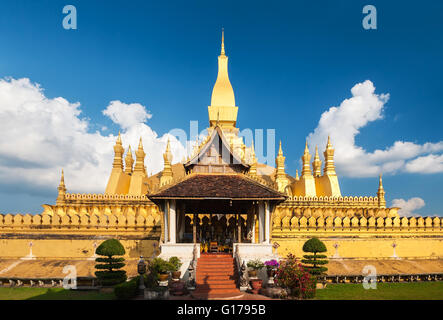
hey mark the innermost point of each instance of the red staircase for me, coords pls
(216, 277)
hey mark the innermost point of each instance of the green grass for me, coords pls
(384, 291)
(51, 294)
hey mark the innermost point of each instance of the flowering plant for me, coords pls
(272, 264)
(255, 264)
(297, 281)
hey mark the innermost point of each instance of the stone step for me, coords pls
(221, 260)
(215, 277)
(216, 268)
(215, 261)
(214, 281)
(216, 286)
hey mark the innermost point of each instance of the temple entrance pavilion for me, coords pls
(224, 208)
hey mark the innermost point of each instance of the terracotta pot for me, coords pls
(256, 285)
(163, 276)
(252, 273)
(176, 274)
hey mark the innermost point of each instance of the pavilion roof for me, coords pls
(218, 186)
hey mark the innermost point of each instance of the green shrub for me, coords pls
(108, 273)
(159, 265)
(175, 263)
(127, 290)
(315, 262)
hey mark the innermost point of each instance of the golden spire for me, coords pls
(253, 168)
(61, 191)
(129, 161)
(329, 168)
(306, 169)
(168, 152)
(281, 179)
(118, 153)
(316, 164)
(280, 151)
(140, 158)
(381, 193)
(222, 100)
(223, 43)
(119, 138)
(167, 170)
(296, 175)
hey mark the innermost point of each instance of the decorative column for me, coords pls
(172, 222)
(261, 222)
(267, 223)
(254, 213)
(239, 228)
(194, 229)
(165, 221)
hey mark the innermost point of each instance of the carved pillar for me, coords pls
(267, 223)
(261, 222)
(239, 234)
(194, 229)
(165, 222)
(172, 222)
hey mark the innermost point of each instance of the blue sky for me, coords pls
(289, 62)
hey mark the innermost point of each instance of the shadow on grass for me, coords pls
(63, 294)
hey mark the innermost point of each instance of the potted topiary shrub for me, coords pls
(175, 264)
(108, 266)
(161, 267)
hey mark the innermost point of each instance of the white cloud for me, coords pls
(408, 206)
(428, 164)
(40, 136)
(343, 124)
(126, 115)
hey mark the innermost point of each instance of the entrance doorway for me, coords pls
(217, 233)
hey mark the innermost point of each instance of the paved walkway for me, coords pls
(245, 296)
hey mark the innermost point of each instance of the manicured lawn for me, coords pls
(51, 294)
(384, 291)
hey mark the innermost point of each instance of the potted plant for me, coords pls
(271, 266)
(162, 268)
(253, 266)
(175, 264)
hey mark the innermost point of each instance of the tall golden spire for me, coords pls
(329, 168)
(118, 153)
(253, 168)
(281, 179)
(223, 43)
(167, 170)
(61, 191)
(381, 193)
(222, 109)
(316, 164)
(140, 158)
(306, 169)
(129, 161)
